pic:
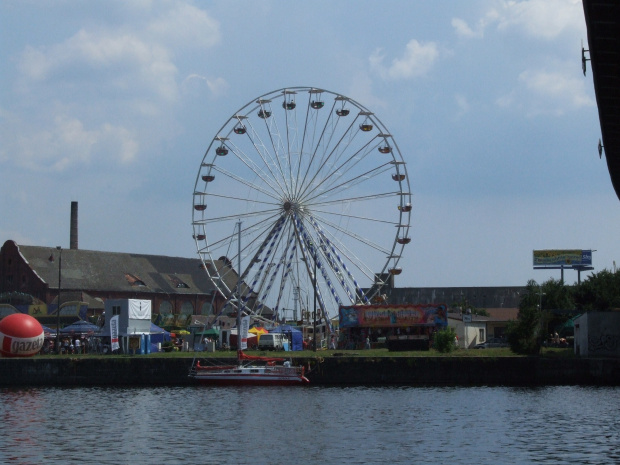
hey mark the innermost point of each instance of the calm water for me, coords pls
(256, 426)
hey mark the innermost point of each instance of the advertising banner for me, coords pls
(384, 316)
(568, 258)
(114, 332)
(245, 325)
(139, 309)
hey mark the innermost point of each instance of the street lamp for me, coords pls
(58, 308)
(542, 322)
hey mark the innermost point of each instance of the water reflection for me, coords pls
(312, 425)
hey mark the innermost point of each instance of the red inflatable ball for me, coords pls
(20, 335)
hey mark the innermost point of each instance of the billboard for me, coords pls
(566, 258)
(384, 316)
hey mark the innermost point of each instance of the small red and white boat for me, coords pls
(251, 371)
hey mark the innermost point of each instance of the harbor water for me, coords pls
(310, 425)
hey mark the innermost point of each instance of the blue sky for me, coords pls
(112, 104)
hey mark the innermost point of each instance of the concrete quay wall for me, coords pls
(465, 371)
(345, 370)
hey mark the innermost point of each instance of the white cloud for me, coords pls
(124, 60)
(360, 89)
(506, 100)
(542, 18)
(186, 26)
(536, 18)
(34, 64)
(558, 86)
(462, 104)
(417, 60)
(541, 91)
(66, 143)
(101, 90)
(463, 30)
(218, 86)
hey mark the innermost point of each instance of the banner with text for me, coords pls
(393, 315)
(114, 332)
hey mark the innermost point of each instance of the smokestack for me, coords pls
(73, 235)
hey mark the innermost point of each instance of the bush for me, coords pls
(443, 340)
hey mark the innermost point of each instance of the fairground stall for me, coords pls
(399, 327)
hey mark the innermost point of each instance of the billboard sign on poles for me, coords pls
(562, 258)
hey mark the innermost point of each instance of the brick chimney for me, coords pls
(73, 235)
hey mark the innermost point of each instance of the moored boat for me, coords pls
(251, 371)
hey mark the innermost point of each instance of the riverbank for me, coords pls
(341, 369)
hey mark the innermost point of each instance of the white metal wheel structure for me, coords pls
(323, 195)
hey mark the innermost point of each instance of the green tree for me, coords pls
(556, 296)
(443, 340)
(599, 292)
(525, 333)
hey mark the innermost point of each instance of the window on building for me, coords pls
(177, 282)
(116, 310)
(482, 339)
(134, 280)
(206, 309)
(187, 308)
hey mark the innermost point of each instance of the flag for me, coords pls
(114, 332)
(243, 333)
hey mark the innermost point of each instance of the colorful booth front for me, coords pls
(399, 327)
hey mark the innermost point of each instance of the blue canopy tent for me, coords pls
(80, 327)
(159, 334)
(294, 335)
(48, 331)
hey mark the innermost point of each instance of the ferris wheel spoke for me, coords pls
(339, 150)
(268, 178)
(261, 241)
(346, 166)
(342, 250)
(272, 164)
(277, 145)
(235, 216)
(360, 198)
(352, 235)
(271, 192)
(357, 217)
(361, 178)
(316, 146)
(224, 241)
(240, 199)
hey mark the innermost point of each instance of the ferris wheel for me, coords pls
(302, 197)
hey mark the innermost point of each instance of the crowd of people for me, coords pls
(69, 345)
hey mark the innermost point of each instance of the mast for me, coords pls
(238, 287)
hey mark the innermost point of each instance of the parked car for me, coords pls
(492, 343)
(272, 341)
